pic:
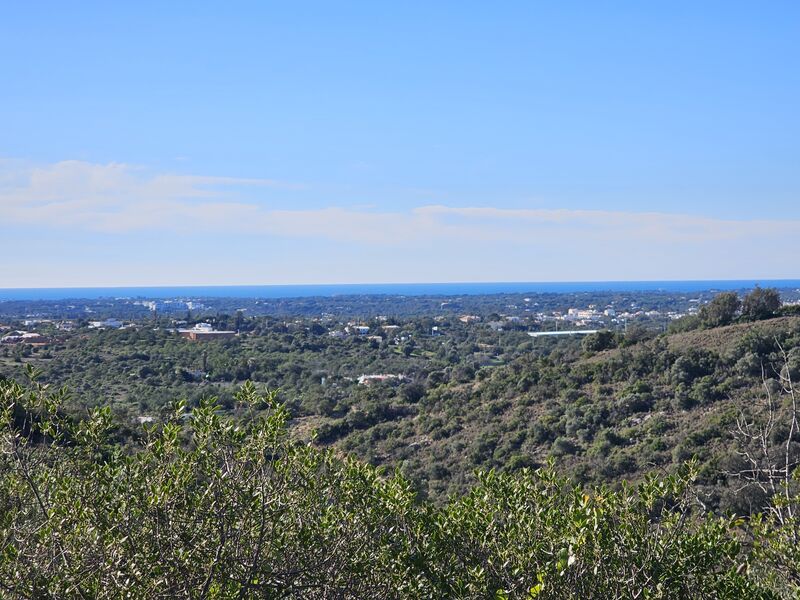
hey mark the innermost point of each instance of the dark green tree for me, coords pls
(602, 340)
(761, 303)
(721, 310)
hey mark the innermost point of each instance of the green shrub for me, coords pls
(212, 507)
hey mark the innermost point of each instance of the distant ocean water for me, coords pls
(404, 289)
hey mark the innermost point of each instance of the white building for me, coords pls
(107, 324)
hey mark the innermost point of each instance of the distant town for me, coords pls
(40, 323)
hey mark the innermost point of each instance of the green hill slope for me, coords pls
(607, 417)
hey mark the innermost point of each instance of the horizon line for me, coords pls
(398, 283)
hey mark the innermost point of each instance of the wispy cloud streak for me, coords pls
(124, 199)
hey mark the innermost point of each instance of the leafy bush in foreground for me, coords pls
(212, 507)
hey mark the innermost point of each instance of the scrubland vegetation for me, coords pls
(211, 506)
(638, 463)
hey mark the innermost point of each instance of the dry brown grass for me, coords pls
(721, 339)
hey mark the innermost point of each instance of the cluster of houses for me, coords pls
(590, 316)
(25, 337)
(171, 306)
(200, 332)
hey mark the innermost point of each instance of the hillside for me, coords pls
(723, 339)
(468, 397)
(607, 417)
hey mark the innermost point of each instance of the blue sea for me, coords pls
(402, 289)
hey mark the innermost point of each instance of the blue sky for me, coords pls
(255, 143)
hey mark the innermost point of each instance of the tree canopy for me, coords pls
(761, 303)
(721, 310)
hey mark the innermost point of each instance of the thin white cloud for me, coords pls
(649, 226)
(118, 197)
(122, 199)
